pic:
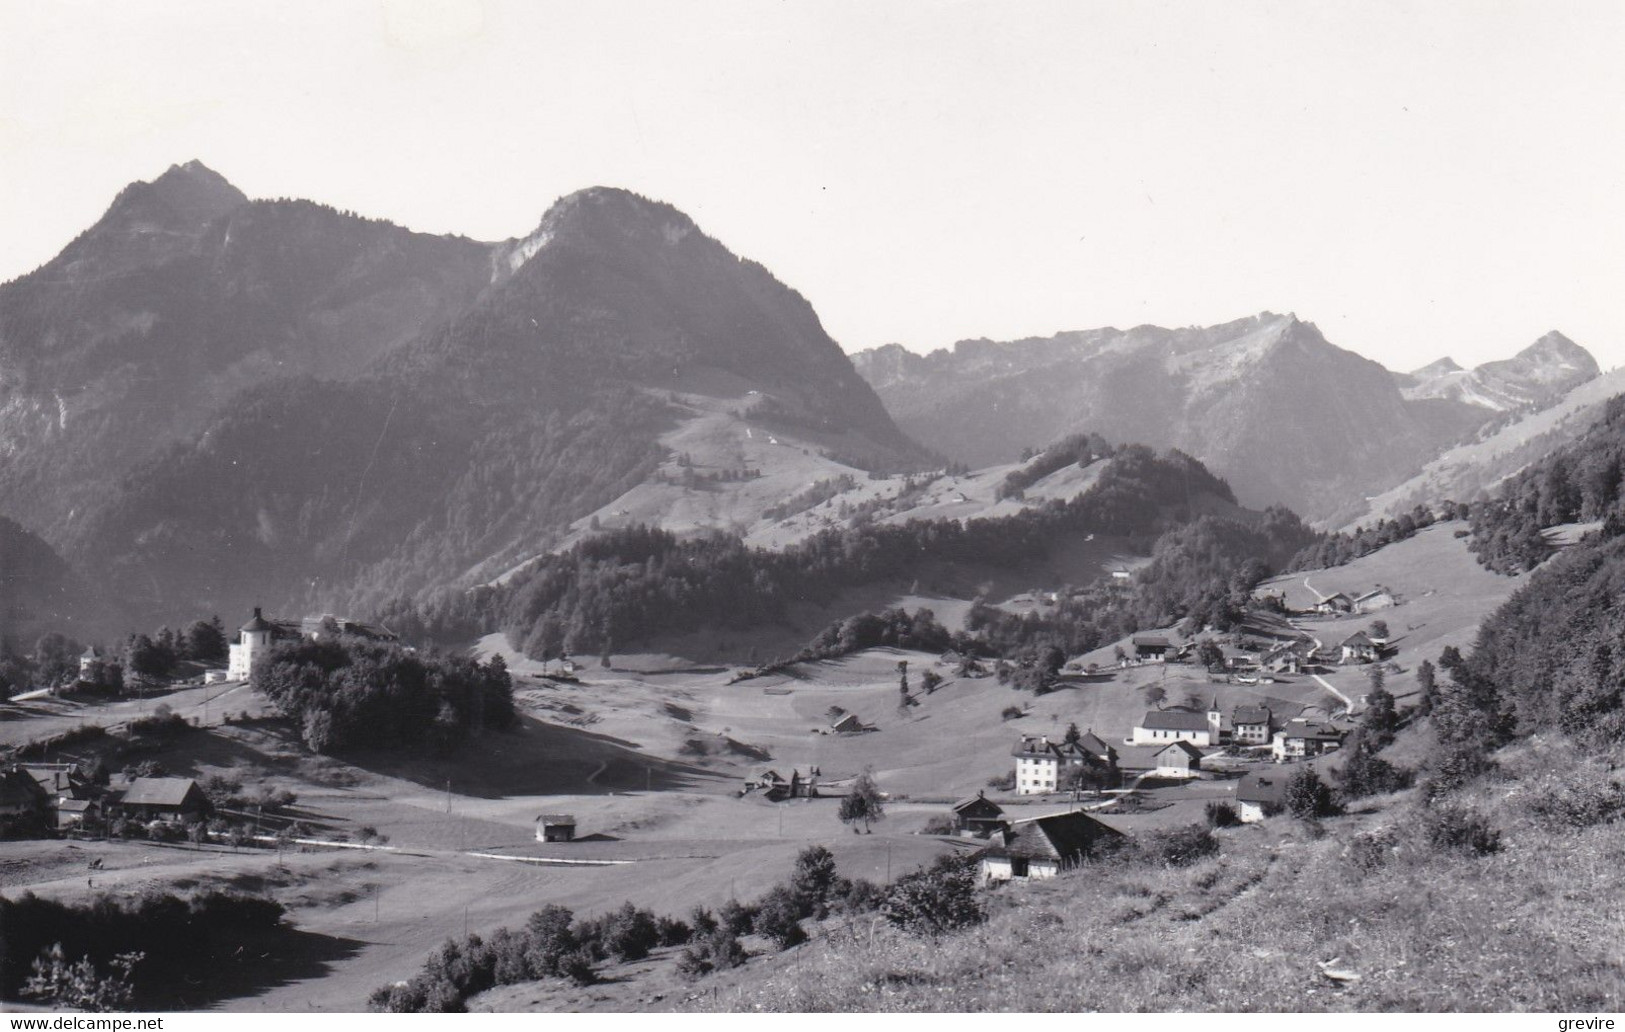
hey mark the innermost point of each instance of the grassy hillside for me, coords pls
(1425, 926)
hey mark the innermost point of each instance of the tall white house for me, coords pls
(253, 641)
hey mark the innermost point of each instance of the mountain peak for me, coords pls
(1438, 368)
(185, 196)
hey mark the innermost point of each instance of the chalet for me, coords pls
(1260, 794)
(1251, 725)
(555, 827)
(1042, 847)
(1359, 648)
(1151, 648)
(1304, 738)
(1380, 598)
(1041, 764)
(1238, 658)
(1181, 759)
(151, 799)
(766, 781)
(1334, 604)
(846, 724)
(73, 813)
(1290, 657)
(21, 796)
(88, 661)
(1162, 726)
(59, 780)
(978, 817)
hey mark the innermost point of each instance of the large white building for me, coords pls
(259, 634)
(1164, 727)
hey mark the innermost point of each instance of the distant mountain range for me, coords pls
(208, 402)
(1267, 402)
(1536, 376)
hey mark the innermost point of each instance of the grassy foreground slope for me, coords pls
(1425, 926)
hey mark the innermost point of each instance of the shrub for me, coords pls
(1454, 828)
(704, 922)
(631, 933)
(813, 881)
(80, 986)
(721, 950)
(941, 824)
(936, 899)
(736, 918)
(778, 917)
(1579, 803)
(861, 895)
(577, 966)
(1005, 782)
(1221, 815)
(1365, 774)
(673, 931)
(1012, 712)
(1177, 847)
(1307, 797)
(549, 939)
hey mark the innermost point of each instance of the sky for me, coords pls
(1418, 179)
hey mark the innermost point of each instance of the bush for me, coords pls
(630, 933)
(1177, 847)
(861, 895)
(577, 966)
(1005, 782)
(736, 918)
(937, 899)
(80, 986)
(1579, 803)
(704, 922)
(1454, 828)
(778, 917)
(941, 824)
(1221, 815)
(673, 931)
(719, 951)
(1307, 797)
(1012, 712)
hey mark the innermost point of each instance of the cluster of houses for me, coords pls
(1339, 603)
(60, 797)
(776, 788)
(1029, 848)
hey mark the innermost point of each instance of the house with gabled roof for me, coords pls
(150, 799)
(21, 797)
(1043, 765)
(1359, 648)
(1159, 727)
(1335, 603)
(847, 724)
(1151, 648)
(1251, 725)
(1260, 794)
(1377, 598)
(1042, 847)
(1300, 739)
(978, 816)
(1179, 759)
(555, 827)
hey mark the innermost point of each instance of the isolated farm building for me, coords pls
(1251, 725)
(1380, 598)
(555, 827)
(1236, 658)
(1260, 794)
(1359, 648)
(1178, 760)
(1151, 648)
(797, 787)
(1042, 847)
(1041, 765)
(150, 799)
(978, 816)
(766, 781)
(1304, 738)
(1335, 603)
(1161, 726)
(847, 723)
